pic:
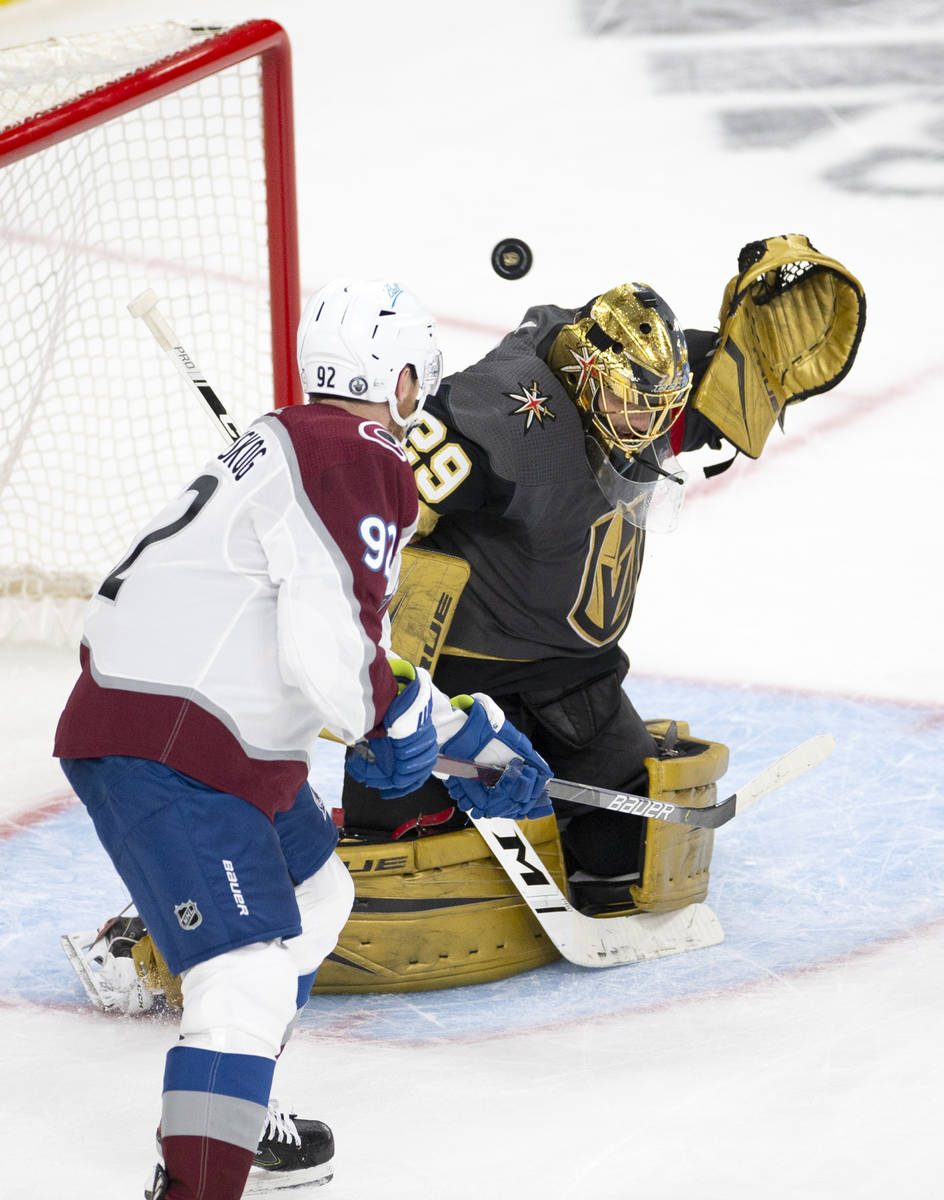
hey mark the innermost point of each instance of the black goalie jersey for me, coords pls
(499, 457)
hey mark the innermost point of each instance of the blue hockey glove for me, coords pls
(406, 754)
(487, 738)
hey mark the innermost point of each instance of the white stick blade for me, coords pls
(640, 937)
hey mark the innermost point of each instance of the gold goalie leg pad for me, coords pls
(676, 858)
(436, 913)
(424, 604)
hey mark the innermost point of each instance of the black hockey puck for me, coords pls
(512, 258)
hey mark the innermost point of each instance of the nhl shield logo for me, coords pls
(188, 915)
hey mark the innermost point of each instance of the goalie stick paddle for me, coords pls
(594, 941)
(790, 765)
(145, 307)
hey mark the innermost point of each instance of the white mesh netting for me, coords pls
(97, 430)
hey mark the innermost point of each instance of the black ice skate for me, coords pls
(292, 1153)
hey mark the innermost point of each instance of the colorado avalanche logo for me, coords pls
(532, 404)
(370, 431)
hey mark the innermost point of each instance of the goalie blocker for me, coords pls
(440, 911)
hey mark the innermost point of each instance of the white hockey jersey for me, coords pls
(249, 614)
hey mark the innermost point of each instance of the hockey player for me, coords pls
(544, 464)
(248, 616)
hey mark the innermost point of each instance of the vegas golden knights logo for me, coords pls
(609, 580)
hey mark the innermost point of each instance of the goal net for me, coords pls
(158, 157)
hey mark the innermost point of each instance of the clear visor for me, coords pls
(648, 498)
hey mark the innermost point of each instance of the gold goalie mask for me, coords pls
(790, 325)
(624, 363)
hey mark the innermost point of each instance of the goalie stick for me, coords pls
(636, 937)
(795, 762)
(604, 942)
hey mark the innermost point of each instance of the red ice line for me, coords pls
(11, 825)
(341, 1028)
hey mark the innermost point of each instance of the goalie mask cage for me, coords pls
(160, 156)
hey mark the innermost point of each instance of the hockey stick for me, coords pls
(145, 307)
(790, 765)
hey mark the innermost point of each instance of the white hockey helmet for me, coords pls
(356, 336)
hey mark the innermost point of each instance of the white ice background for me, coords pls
(803, 1056)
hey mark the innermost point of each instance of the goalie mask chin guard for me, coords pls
(354, 339)
(624, 363)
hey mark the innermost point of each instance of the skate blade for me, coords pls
(262, 1182)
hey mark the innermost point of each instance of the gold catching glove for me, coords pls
(790, 324)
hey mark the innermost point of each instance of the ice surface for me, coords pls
(800, 594)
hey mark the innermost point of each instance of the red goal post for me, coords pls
(160, 156)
